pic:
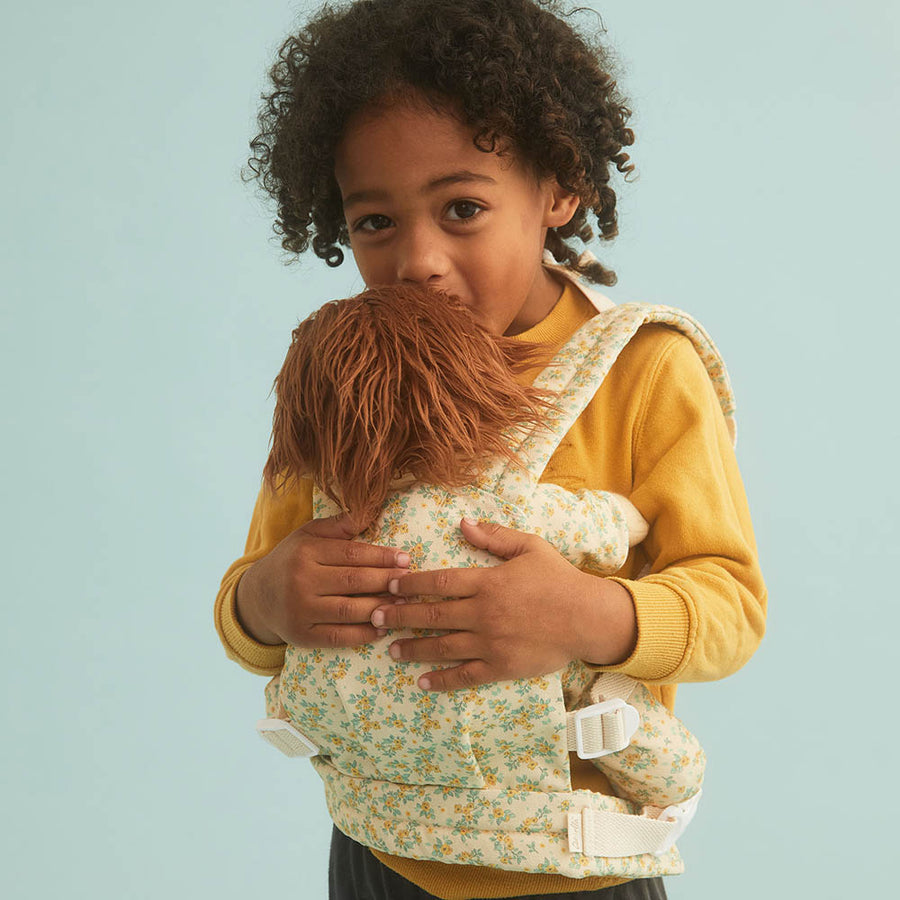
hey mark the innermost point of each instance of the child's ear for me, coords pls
(561, 205)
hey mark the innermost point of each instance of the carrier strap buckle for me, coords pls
(680, 814)
(598, 832)
(601, 728)
(284, 737)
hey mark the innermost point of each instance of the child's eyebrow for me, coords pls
(460, 177)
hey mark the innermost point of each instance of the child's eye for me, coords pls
(375, 222)
(460, 210)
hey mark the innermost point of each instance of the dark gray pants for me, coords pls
(355, 874)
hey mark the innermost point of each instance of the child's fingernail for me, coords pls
(378, 618)
(403, 559)
(394, 586)
(394, 650)
(425, 683)
(469, 520)
(381, 631)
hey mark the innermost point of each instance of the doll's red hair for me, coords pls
(397, 381)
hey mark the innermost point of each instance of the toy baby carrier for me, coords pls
(481, 776)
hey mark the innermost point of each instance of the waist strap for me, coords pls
(576, 833)
(598, 832)
(605, 726)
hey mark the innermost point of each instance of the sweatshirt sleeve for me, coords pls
(275, 516)
(701, 607)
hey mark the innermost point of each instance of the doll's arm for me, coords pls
(591, 529)
(664, 763)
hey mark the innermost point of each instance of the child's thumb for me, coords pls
(496, 539)
(343, 526)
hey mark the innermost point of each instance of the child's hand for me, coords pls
(526, 617)
(318, 588)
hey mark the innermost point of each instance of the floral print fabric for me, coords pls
(481, 776)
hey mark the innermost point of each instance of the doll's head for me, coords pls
(521, 77)
(397, 382)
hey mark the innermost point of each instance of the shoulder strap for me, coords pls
(578, 369)
(599, 301)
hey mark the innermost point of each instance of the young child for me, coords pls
(449, 144)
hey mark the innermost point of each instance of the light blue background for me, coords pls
(146, 312)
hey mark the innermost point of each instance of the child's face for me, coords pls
(425, 206)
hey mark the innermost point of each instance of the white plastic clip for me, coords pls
(283, 736)
(680, 814)
(626, 719)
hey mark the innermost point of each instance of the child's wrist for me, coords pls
(608, 634)
(246, 611)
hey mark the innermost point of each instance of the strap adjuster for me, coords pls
(617, 724)
(284, 737)
(602, 832)
(680, 814)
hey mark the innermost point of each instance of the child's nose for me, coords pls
(421, 258)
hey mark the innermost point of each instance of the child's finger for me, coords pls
(347, 581)
(466, 675)
(456, 646)
(448, 615)
(329, 635)
(340, 610)
(499, 540)
(355, 553)
(438, 582)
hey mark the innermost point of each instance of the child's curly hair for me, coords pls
(513, 69)
(398, 381)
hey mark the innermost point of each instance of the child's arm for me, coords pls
(699, 613)
(301, 582)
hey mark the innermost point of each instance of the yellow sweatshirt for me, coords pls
(655, 433)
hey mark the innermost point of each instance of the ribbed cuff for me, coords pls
(664, 629)
(261, 659)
